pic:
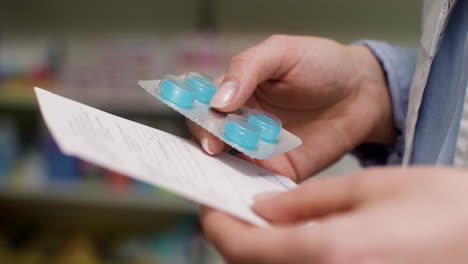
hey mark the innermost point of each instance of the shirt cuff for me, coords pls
(399, 65)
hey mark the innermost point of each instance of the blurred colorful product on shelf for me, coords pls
(23, 66)
(60, 168)
(117, 182)
(181, 243)
(92, 176)
(143, 188)
(9, 148)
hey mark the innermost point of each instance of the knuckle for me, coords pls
(245, 60)
(240, 58)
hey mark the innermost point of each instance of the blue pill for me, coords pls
(177, 93)
(242, 133)
(205, 87)
(270, 128)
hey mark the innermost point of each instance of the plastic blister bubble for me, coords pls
(240, 132)
(204, 86)
(177, 92)
(269, 124)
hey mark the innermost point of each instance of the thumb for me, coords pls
(250, 68)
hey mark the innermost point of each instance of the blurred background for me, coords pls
(57, 209)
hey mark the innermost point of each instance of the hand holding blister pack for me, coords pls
(255, 133)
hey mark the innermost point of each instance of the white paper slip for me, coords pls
(223, 182)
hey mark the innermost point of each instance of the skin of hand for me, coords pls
(388, 215)
(333, 96)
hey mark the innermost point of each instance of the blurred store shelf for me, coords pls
(69, 196)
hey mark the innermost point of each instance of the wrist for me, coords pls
(372, 82)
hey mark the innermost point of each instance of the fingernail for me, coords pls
(265, 196)
(224, 94)
(204, 143)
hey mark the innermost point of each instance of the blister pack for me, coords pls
(255, 133)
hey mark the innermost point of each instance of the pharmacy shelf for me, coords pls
(134, 107)
(20, 104)
(107, 199)
(100, 214)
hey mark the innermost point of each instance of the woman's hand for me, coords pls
(334, 97)
(393, 215)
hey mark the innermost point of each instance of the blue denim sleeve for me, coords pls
(399, 65)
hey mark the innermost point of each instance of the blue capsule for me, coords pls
(243, 133)
(270, 125)
(204, 86)
(177, 92)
